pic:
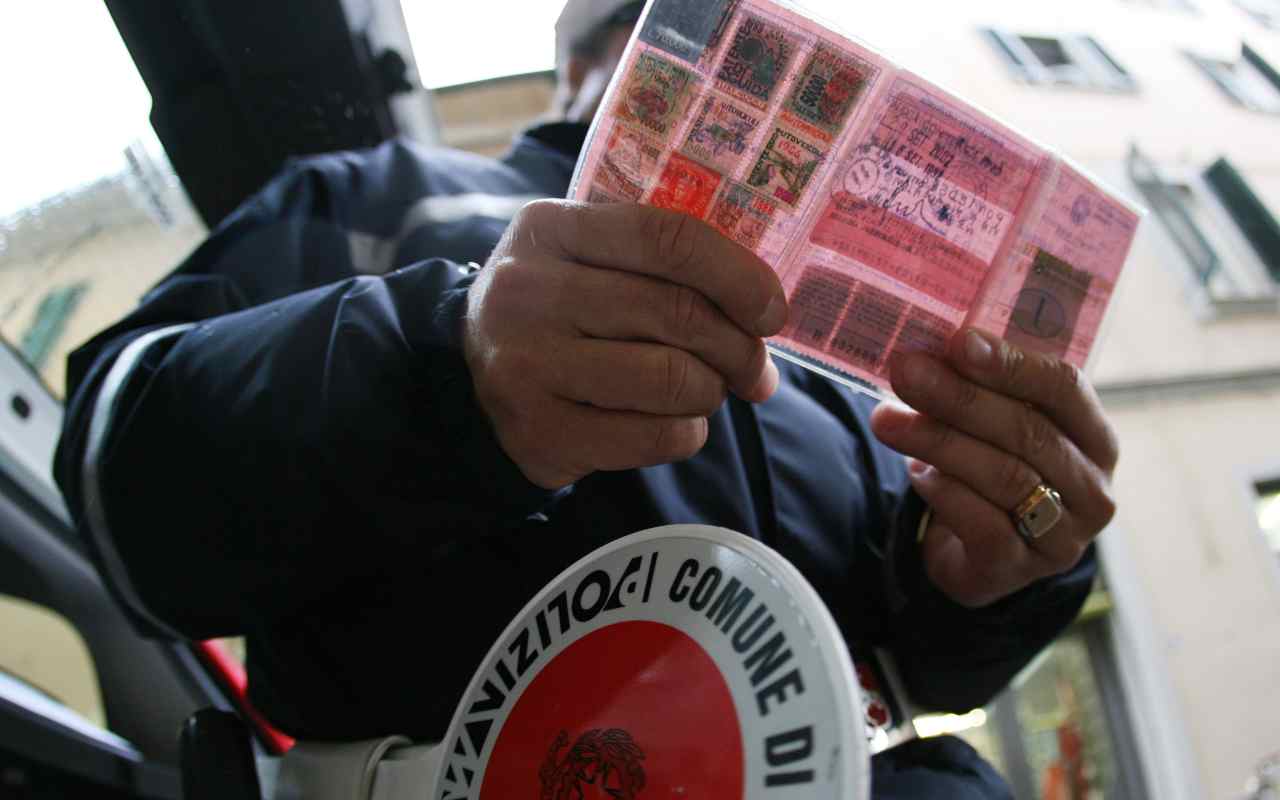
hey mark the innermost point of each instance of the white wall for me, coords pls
(1211, 588)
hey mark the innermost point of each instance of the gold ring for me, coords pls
(924, 523)
(1036, 515)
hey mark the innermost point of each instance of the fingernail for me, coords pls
(977, 349)
(773, 318)
(921, 476)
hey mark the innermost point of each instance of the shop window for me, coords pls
(1060, 730)
(1228, 236)
(1250, 81)
(1063, 724)
(1061, 60)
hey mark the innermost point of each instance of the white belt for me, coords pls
(390, 768)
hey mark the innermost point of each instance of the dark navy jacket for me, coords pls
(303, 462)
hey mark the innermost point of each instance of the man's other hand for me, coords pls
(991, 422)
(602, 336)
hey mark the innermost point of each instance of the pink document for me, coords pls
(893, 212)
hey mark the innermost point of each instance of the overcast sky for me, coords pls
(72, 97)
(459, 42)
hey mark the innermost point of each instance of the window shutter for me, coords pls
(1168, 207)
(1210, 68)
(1008, 52)
(1122, 79)
(1261, 65)
(1253, 217)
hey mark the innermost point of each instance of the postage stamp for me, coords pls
(722, 24)
(598, 195)
(742, 215)
(685, 29)
(864, 334)
(828, 86)
(720, 133)
(1045, 311)
(785, 167)
(629, 159)
(757, 60)
(816, 305)
(655, 94)
(685, 186)
(923, 333)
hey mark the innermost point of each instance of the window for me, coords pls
(1250, 82)
(44, 651)
(1065, 60)
(1266, 12)
(1230, 239)
(87, 222)
(1268, 509)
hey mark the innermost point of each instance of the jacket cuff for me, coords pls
(903, 569)
(479, 462)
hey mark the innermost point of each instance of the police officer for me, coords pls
(329, 432)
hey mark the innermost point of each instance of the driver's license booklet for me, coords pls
(893, 212)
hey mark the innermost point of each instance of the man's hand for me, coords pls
(601, 337)
(991, 423)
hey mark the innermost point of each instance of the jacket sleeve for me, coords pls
(950, 658)
(265, 428)
(953, 658)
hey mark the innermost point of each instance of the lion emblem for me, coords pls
(603, 762)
